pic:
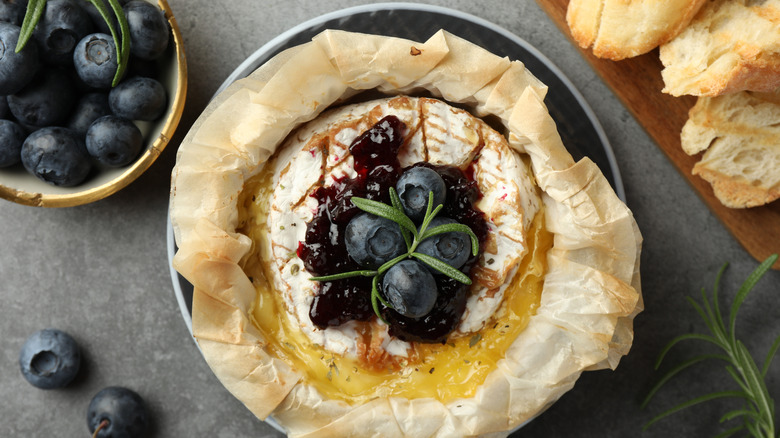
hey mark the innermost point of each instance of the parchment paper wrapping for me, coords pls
(591, 292)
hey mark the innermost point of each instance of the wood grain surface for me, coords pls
(637, 82)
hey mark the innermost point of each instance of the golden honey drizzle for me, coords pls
(443, 372)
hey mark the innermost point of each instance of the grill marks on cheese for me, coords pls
(318, 153)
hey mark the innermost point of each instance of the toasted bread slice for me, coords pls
(619, 29)
(730, 46)
(739, 133)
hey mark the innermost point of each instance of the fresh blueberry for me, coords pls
(89, 108)
(372, 240)
(148, 29)
(16, 69)
(119, 413)
(57, 156)
(49, 359)
(138, 98)
(95, 60)
(46, 101)
(12, 11)
(453, 248)
(11, 138)
(114, 141)
(410, 289)
(413, 188)
(63, 25)
(4, 111)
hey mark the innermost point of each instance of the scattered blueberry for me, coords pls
(16, 69)
(148, 29)
(119, 413)
(63, 24)
(11, 138)
(95, 60)
(413, 188)
(372, 240)
(89, 108)
(114, 141)
(12, 11)
(46, 101)
(57, 156)
(410, 289)
(138, 98)
(453, 248)
(49, 359)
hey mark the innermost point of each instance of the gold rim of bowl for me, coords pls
(135, 170)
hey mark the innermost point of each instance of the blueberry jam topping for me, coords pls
(329, 245)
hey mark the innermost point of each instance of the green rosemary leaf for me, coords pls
(457, 228)
(730, 432)
(719, 336)
(389, 264)
(770, 355)
(760, 393)
(442, 267)
(375, 290)
(375, 297)
(747, 286)
(385, 211)
(123, 55)
(676, 370)
(693, 402)
(737, 378)
(737, 413)
(685, 337)
(430, 213)
(32, 16)
(344, 275)
(716, 298)
(396, 202)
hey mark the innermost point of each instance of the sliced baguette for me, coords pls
(730, 46)
(619, 29)
(740, 136)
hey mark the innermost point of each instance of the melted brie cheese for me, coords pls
(507, 277)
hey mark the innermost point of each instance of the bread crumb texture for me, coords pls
(738, 134)
(729, 46)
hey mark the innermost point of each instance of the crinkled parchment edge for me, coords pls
(591, 292)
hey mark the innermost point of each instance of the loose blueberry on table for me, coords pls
(377, 246)
(118, 412)
(49, 359)
(65, 69)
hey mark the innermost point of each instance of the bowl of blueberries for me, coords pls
(91, 91)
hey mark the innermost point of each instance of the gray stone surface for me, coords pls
(100, 271)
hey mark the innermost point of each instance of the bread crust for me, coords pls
(730, 46)
(619, 29)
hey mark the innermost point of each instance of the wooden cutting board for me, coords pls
(637, 82)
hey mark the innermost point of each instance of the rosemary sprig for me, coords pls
(758, 410)
(412, 236)
(35, 9)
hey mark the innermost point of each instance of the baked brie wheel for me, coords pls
(554, 288)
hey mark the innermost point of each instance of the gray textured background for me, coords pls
(100, 271)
